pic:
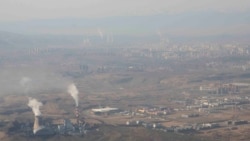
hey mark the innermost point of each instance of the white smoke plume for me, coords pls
(26, 83)
(35, 105)
(100, 33)
(112, 38)
(72, 90)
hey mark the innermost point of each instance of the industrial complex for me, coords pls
(75, 126)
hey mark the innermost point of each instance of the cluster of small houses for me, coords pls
(184, 128)
(208, 104)
(202, 104)
(154, 111)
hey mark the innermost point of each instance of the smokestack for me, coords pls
(77, 115)
(35, 105)
(72, 90)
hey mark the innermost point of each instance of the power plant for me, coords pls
(79, 127)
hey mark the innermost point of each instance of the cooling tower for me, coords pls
(37, 126)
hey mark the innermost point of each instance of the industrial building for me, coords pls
(104, 110)
(79, 127)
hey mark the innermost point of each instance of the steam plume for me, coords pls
(35, 105)
(100, 33)
(26, 83)
(72, 90)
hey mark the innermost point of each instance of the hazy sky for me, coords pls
(175, 17)
(15, 10)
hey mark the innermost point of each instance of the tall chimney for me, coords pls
(77, 115)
